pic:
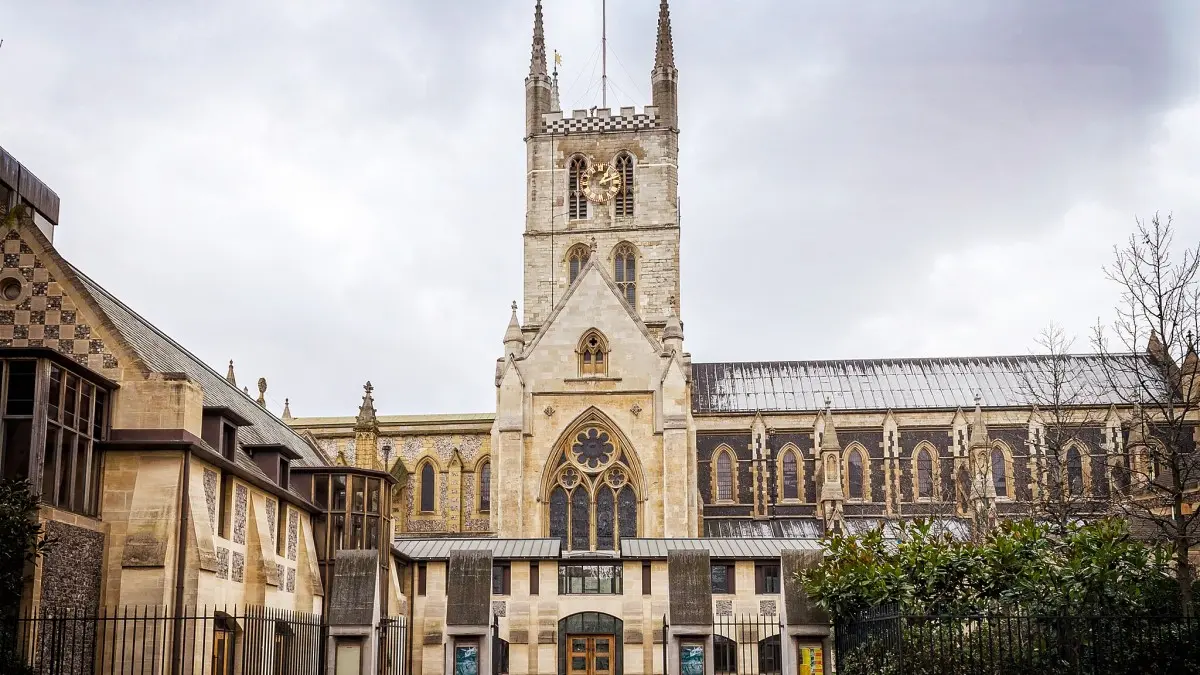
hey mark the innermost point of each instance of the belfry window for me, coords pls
(576, 257)
(592, 503)
(593, 355)
(625, 273)
(623, 203)
(576, 201)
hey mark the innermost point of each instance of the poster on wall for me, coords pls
(691, 660)
(466, 660)
(811, 661)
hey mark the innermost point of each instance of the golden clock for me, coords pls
(601, 182)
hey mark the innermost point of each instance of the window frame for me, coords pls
(501, 578)
(432, 491)
(535, 580)
(623, 202)
(764, 573)
(484, 486)
(625, 260)
(924, 452)
(577, 202)
(724, 452)
(71, 479)
(593, 354)
(577, 257)
(1006, 462)
(730, 586)
(791, 451)
(863, 477)
(566, 585)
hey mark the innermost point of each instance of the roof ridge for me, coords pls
(918, 359)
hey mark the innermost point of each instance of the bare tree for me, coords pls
(1158, 311)
(1064, 396)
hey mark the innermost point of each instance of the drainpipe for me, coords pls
(181, 560)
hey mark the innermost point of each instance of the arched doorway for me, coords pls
(590, 643)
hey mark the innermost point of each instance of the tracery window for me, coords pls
(427, 488)
(625, 272)
(576, 201)
(593, 355)
(576, 257)
(1000, 472)
(623, 202)
(854, 474)
(485, 487)
(924, 474)
(1074, 471)
(593, 503)
(790, 474)
(724, 473)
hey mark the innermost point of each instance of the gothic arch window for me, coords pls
(576, 257)
(924, 472)
(485, 486)
(1075, 471)
(625, 272)
(593, 355)
(790, 472)
(577, 208)
(855, 474)
(428, 487)
(724, 486)
(623, 202)
(593, 503)
(1002, 474)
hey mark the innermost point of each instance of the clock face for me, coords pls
(601, 182)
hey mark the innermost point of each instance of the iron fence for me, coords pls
(234, 640)
(886, 641)
(393, 645)
(747, 644)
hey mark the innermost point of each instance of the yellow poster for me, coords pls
(811, 662)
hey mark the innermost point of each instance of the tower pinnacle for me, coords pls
(664, 53)
(537, 63)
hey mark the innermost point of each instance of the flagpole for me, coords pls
(603, 53)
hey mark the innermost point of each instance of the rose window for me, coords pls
(569, 478)
(593, 448)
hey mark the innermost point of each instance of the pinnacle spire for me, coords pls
(555, 105)
(979, 432)
(537, 63)
(829, 439)
(366, 412)
(664, 52)
(229, 375)
(287, 409)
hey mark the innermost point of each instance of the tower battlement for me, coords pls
(600, 120)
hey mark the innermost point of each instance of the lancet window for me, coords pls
(593, 355)
(576, 257)
(625, 272)
(576, 201)
(593, 502)
(623, 203)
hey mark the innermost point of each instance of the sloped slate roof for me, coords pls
(893, 384)
(748, 528)
(439, 548)
(162, 354)
(741, 549)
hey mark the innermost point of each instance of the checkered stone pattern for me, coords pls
(241, 496)
(239, 567)
(766, 607)
(293, 534)
(291, 580)
(571, 125)
(724, 607)
(47, 317)
(222, 563)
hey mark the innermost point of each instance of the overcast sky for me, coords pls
(329, 192)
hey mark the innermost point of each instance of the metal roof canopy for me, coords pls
(502, 549)
(736, 549)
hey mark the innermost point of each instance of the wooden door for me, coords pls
(591, 655)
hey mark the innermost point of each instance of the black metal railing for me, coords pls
(747, 644)
(886, 640)
(220, 640)
(393, 646)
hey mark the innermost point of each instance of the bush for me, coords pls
(22, 540)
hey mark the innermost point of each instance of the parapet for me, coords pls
(600, 120)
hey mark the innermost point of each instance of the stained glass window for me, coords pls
(627, 505)
(924, 474)
(580, 521)
(724, 477)
(593, 448)
(427, 488)
(854, 475)
(605, 519)
(1075, 470)
(791, 476)
(558, 515)
(485, 487)
(999, 472)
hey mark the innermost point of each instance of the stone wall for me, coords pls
(72, 570)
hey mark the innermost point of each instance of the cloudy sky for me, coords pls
(338, 185)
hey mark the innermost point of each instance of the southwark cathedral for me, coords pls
(627, 507)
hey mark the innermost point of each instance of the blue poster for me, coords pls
(691, 660)
(466, 660)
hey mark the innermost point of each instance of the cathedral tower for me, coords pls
(604, 183)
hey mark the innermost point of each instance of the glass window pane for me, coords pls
(95, 482)
(627, 507)
(558, 515)
(21, 378)
(855, 474)
(54, 395)
(356, 532)
(605, 519)
(485, 487)
(99, 419)
(580, 521)
(791, 483)
(319, 527)
(50, 465)
(427, 487)
(339, 531)
(999, 478)
(66, 469)
(82, 462)
(373, 495)
(339, 492)
(359, 484)
(372, 537)
(69, 401)
(321, 491)
(85, 407)
(16, 449)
